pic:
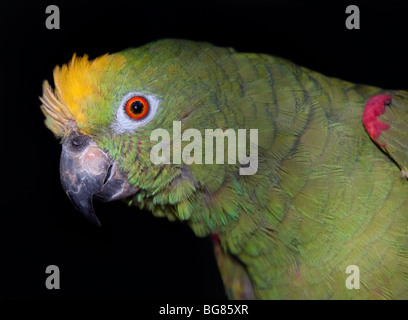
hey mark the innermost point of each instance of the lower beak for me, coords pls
(87, 171)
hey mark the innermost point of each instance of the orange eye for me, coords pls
(137, 108)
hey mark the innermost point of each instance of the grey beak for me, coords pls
(87, 171)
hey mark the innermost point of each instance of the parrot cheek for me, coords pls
(87, 171)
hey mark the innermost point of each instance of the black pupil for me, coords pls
(137, 107)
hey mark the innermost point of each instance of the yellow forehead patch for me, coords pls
(75, 83)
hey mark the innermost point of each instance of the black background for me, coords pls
(136, 255)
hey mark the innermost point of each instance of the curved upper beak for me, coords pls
(87, 171)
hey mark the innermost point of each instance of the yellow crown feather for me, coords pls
(75, 84)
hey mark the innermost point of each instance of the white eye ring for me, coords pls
(124, 123)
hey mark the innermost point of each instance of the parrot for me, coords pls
(329, 194)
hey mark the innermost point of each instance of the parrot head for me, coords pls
(104, 111)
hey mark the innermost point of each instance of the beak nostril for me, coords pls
(75, 142)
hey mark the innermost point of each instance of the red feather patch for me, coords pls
(375, 107)
(215, 238)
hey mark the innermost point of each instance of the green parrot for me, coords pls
(328, 192)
